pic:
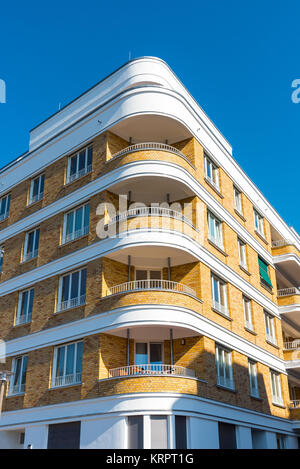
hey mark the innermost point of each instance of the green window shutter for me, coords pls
(263, 271)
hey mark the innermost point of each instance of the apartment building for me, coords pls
(148, 292)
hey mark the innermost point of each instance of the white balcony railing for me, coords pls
(280, 243)
(23, 319)
(3, 216)
(36, 197)
(149, 146)
(66, 380)
(221, 308)
(79, 174)
(151, 369)
(150, 211)
(295, 404)
(75, 234)
(288, 291)
(226, 382)
(72, 303)
(30, 255)
(293, 345)
(16, 389)
(136, 285)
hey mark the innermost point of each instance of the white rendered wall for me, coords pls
(103, 433)
(10, 440)
(203, 434)
(37, 436)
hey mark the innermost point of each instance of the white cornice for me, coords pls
(134, 170)
(143, 315)
(141, 237)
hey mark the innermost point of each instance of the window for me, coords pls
(79, 164)
(259, 223)
(215, 230)
(270, 328)
(67, 364)
(242, 254)
(76, 223)
(36, 189)
(264, 273)
(224, 367)
(135, 427)
(276, 388)
(253, 379)
(211, 172)
(4, 207)
(238, 200)
(149, 355)
(72, 290)
(180, 432)
(18, 379)
(247, 313)
(64, 435)
(159, 432)
(1, 258)
(31, 245)
(227, 436)
(219, 295)
(24, 312)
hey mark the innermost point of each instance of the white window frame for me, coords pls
(221, 285)
(270, 325)
(148, 343)
(32, 254)
(224, 367)
(276, 387)
(71, 302)
(6, 201)
(18, 388)
(253, 381)
(259, 223)
(238, 200)
(66, 380)
(213, 169)
(242, 253)
(39, 195)
(247, 307)
(84, 230)
(25, 318)
(217, 237)
(87, 168)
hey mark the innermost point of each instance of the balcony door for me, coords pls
(150, 354)
(147, 274)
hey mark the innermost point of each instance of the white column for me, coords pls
(171, 426)
(270, 441)
(147, 432)
(243, 437)
(204, 434)
(36, 436)
(10, 439)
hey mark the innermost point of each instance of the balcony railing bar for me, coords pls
(150, 146)
(295, 404)
(151, 369)
(150, 211)
(72, 303)
(76, 234)
(292, 345)
(149, 284)
(66, 380)
(289, 291)
(79, 174)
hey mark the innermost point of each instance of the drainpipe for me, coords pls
(128, 337)
(129, 267)
(171, 346)
(169, 269)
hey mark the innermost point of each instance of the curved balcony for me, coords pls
(155, 146)
(146, 285)
(151, 370)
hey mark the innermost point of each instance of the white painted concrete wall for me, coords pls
(106, 433)
(203, 434)
(10, 440)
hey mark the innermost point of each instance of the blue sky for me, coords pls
(238, 60)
